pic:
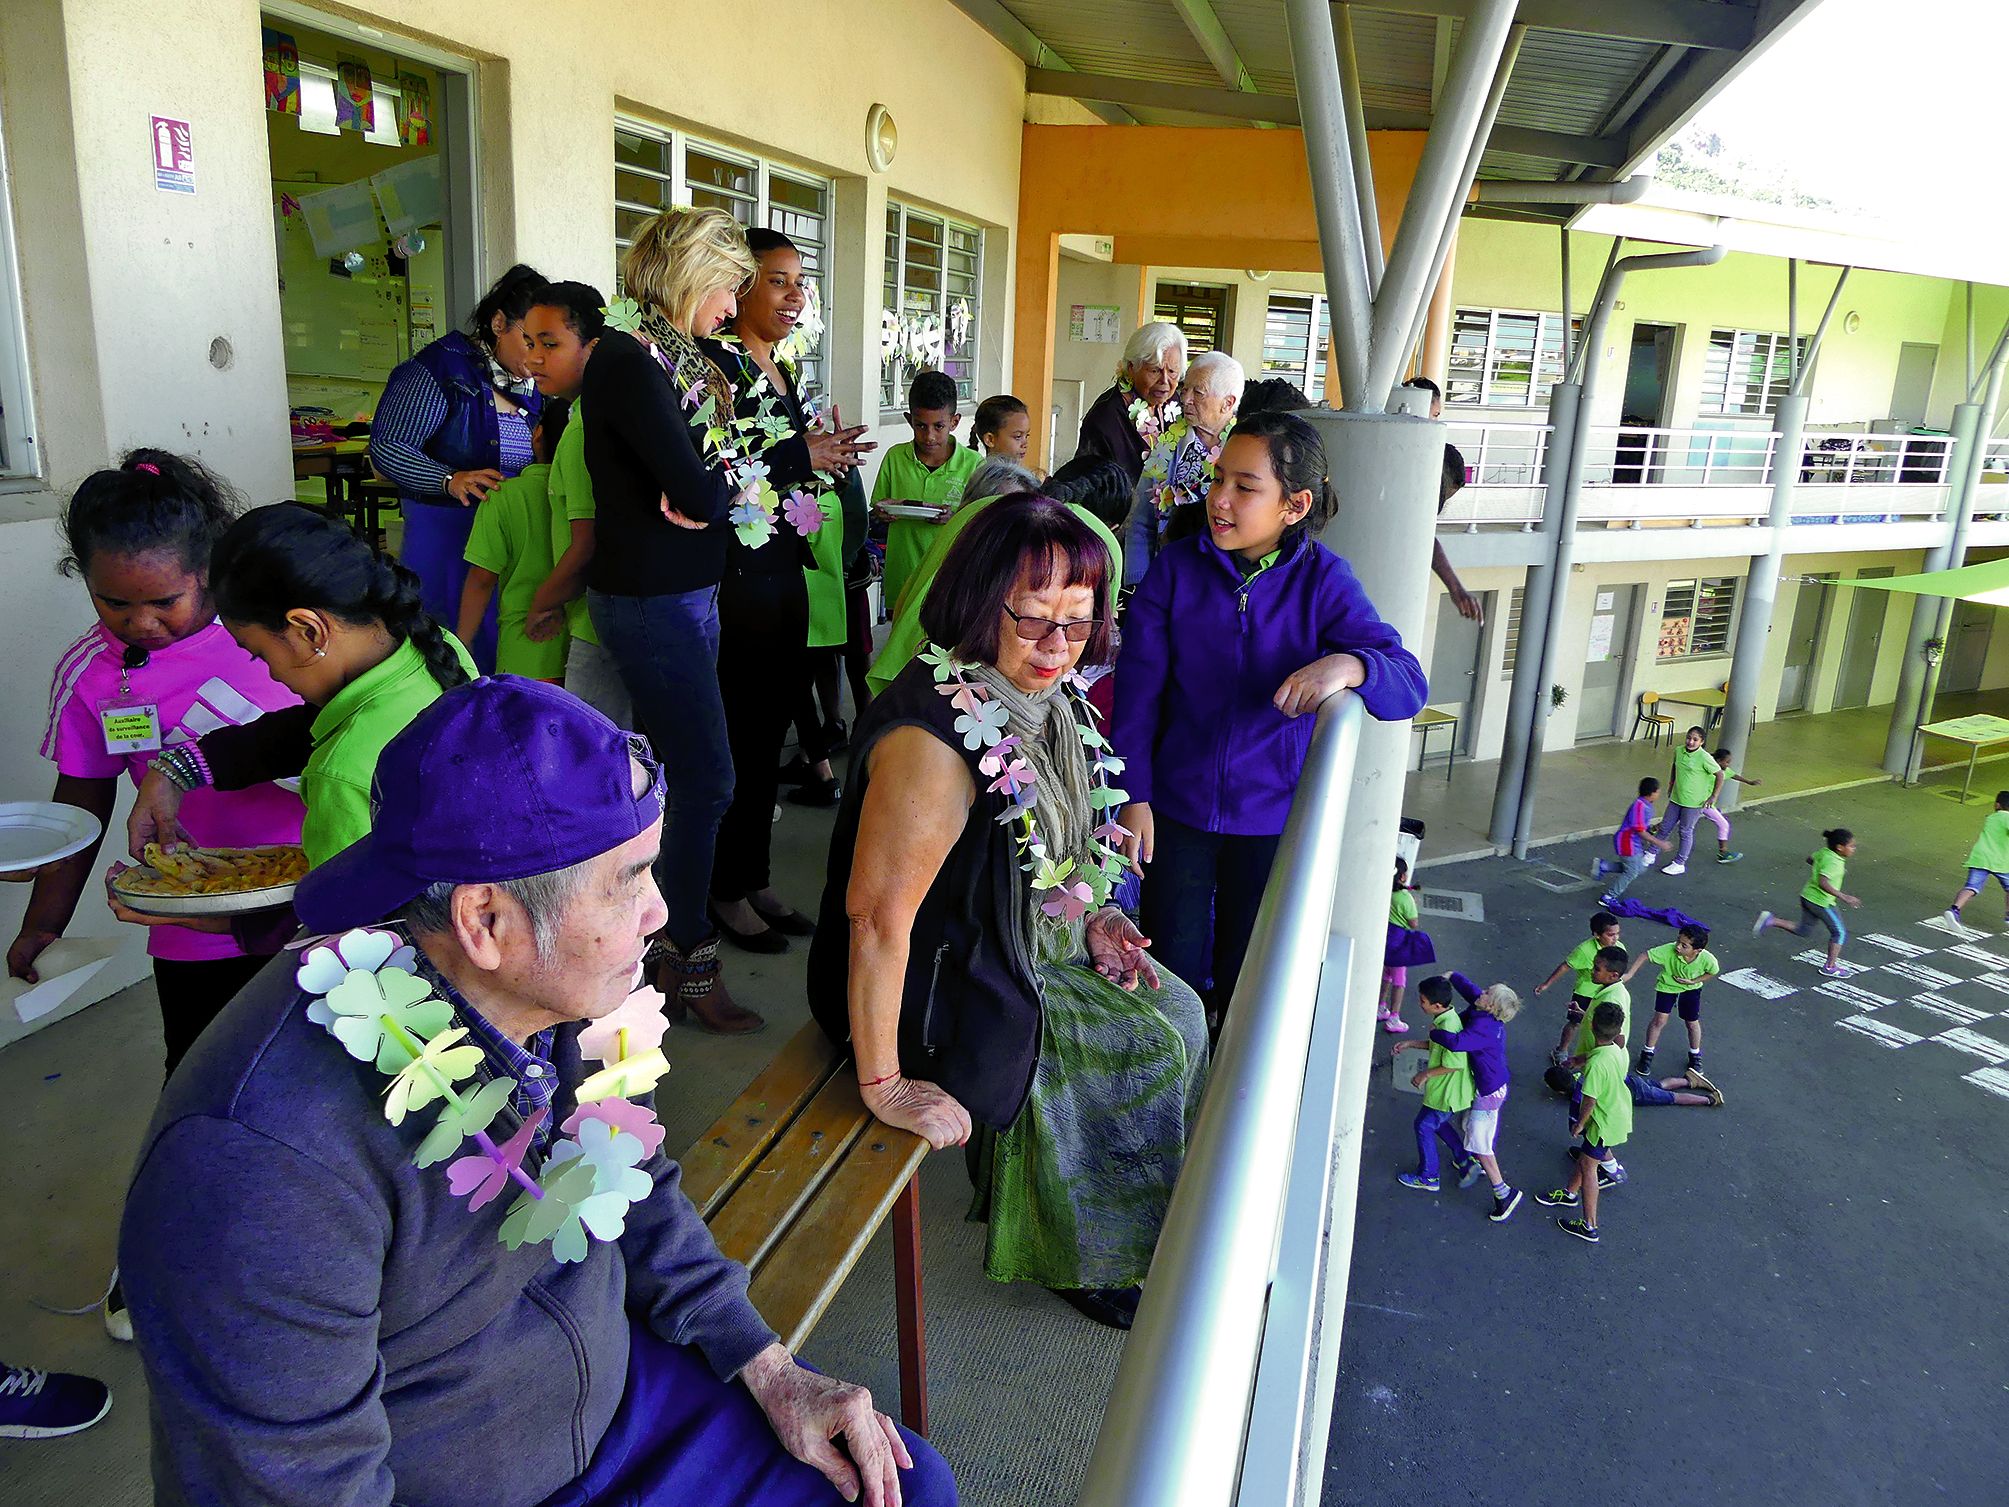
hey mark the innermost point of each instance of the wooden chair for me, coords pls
(1656, 723)
(795, 1179)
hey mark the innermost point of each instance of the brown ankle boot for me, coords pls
(691, 985)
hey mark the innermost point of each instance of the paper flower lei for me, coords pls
(369, 996)
(1148, 423)
(1170, 491)
(1072, 890)
(735, 441)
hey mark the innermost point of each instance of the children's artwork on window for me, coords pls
(355, 97)
(282, 73)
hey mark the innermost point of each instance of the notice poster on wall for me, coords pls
(282, 73)
(1673, 637)
(414, 110)
(1600, 639)
(1095, 323)
(355, 96)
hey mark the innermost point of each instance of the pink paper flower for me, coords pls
(640, 1015)
(638, 1120)
(804, 513)
(485, 1176)
(1112, 832)
(1014, 780)
(1069, 901)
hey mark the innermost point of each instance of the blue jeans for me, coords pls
(1628, 869)
(1647, 1090)
(666, 648)
(1432, 1126)
(1682, 819)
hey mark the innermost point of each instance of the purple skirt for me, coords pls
(683, 1438)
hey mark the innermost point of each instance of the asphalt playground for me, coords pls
(1799, 1297)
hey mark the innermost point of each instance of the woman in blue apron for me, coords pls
(454, 423)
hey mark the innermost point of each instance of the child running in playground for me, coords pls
(1603, 1121)
(1582, 961)
(1631, 843)
(1717, 818)
(1685, 964)
(1402, 917)
(1989, 857)
(1695, 782)
(1446, 1081)
(1484, 1043)
(1817, 900)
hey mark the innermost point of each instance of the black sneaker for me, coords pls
(1115, 1307)
(1503, 1208)
(1645, 1067)
(1608, 1179)
(1584, 1232)
(1559, 1198)
(48, 1404)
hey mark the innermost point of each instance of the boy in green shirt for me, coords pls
(1446, 1082)
(1988, 856)
(1581, 960)
(1603, 1120)
(1686, 964)
(928, 472)
(510, 548)
(1694, 781)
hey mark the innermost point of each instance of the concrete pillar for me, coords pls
(1565, 403)
(1433, 358)
(1761, 590)
(1968, 446)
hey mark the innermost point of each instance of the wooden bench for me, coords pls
(795, 1179)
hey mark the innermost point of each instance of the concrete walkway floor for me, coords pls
(1586, 788)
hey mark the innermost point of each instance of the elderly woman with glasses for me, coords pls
(1172, 491)
(968, 952)
(1127, 419)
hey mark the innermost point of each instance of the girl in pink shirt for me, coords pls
(157, 670)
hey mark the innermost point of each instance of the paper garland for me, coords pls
(369, 995)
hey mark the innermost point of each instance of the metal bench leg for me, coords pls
(907, 1304)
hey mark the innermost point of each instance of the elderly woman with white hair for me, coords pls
(1125, 421)
(1180, 468)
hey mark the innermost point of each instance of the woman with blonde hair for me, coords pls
(654, 407)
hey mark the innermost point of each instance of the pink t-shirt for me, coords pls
(199, 684)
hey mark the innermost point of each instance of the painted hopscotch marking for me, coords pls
(1959, 1014)
(1974, 1044)
(1897, 945)
(1977, 954)
(1754, 982)
(1815, 957)
(1862, 999)
(1994, 1079)
(1953, 928)
(1918, 973)
(1999, 982)
(1882, 1032)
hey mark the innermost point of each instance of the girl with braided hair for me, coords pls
(345, 629)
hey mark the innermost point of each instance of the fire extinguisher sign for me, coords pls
(173, 156)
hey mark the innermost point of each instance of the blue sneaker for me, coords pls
(47, 1404)
(1417, 1181)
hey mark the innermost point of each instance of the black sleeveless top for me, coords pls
(970, 1012)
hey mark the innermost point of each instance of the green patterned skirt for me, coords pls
(1077, 1185)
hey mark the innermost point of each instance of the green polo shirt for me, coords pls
(1450, 1091)
(1616, 994)
(1694, 777)
(902, 478)
(1610, 1122)
(1828, 865)
(571, 489)
(513, 536)
(1402, 908)
(1582, 959)
(1991, 848)
(349, 733)
(1678, 974)
(904, 637)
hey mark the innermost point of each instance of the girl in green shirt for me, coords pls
(1818, 899)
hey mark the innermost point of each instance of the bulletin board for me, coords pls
(351, 328)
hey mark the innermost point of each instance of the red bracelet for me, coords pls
(875, 1082)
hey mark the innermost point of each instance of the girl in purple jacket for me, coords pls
(1234, 637)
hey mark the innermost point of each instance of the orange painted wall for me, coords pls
(1171, 196)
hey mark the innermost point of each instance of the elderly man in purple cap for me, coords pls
(403, 1230)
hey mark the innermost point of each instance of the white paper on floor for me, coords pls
(1897, 945)
(1754, 982)
(1862, 999)
(1882, 1032)
(1816, 957)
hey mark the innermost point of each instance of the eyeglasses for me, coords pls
(1036, 630)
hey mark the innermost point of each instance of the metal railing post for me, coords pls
(1341, 235)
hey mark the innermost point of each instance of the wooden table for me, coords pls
(1977, 731)
(345, 466)
(1710, 700)
(1427, 722)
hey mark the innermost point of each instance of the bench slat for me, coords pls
(721, 1158)
(801, 1275)
(759, 1213)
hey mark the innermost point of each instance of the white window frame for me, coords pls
(20, 454)
(896, 365)
(1716, 395)
(1694, 586)
(1310, 373)
(1543, 373)
(765, 171)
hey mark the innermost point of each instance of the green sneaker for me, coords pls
(1559, 1198)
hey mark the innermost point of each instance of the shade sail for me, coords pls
(1987, 582)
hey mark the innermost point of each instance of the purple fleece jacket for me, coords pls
(1204, 651)
(1483, 1041)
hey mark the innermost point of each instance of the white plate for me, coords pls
(33, 833)
(919, 512)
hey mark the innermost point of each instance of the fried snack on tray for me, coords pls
(215, 871)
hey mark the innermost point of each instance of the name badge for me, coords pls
(130, 726)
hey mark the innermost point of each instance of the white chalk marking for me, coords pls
(1882, 1032)
(1817, 957)
(1974, 1044)
(1918, 973)
(1754, 982)
(1897, 945)
(1953, 1010)
(1862, 999)
(1994, 1079)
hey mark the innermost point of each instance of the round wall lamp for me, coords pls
(1851, 322)
(882, 138)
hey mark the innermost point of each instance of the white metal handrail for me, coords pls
(1511, 455)
(1228, 1301)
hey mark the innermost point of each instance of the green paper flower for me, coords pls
(359, 1004)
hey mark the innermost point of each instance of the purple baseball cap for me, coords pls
(500, 779)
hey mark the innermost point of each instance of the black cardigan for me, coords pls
(1108, 434)
(640, 449)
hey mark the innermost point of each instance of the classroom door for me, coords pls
(1454, 665)
(1810, 616)
(1607, 660)
(1966, 647)
(1912, 391)
(1859, 649)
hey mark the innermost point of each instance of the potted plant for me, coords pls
(1557, 696)
(1932, 649)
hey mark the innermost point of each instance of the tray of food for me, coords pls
(211, 881)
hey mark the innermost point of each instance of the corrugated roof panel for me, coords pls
(1120, 38)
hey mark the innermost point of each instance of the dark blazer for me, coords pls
(1108, 434)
